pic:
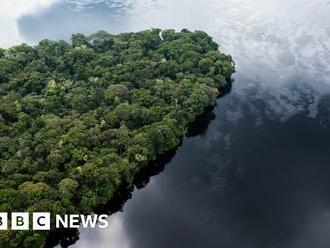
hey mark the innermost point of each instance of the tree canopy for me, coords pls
(79, 119)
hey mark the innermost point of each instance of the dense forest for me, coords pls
(79, 119)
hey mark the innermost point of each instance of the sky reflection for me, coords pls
(259, 176)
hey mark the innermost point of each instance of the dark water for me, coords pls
(256, 171)
(251, 180)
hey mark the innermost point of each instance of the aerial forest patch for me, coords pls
(79, 119)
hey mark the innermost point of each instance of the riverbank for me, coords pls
(93, 113)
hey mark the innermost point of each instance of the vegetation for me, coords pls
(78, 120)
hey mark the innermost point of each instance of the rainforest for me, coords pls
(79, 119)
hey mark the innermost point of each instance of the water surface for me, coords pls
(258, 175)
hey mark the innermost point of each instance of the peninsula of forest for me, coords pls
(79, 119)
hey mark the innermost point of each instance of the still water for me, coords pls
(256, 171)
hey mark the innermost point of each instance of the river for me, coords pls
(255, 172)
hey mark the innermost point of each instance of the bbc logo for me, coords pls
(21, 221)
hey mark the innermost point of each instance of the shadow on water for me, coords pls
(68, 237)
(200, 125)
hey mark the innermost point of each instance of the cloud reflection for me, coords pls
(261, 172)
(11, 11)
(114, 236)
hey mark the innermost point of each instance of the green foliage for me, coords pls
(78, 120)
